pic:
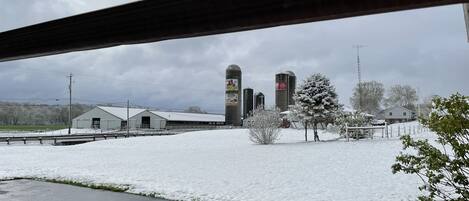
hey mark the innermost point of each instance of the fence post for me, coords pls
(391, 130)
(385, 130)
(346, 131)
(398, 130)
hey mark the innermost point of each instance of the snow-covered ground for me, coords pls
(225, 165)
(54, 132)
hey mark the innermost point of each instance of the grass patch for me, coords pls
(31, 127)
(107, 187)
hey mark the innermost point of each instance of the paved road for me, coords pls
(28, 190)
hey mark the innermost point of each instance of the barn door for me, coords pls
(146, 122)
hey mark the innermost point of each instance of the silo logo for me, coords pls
(231, 85)
(280, 86)
(231, 99)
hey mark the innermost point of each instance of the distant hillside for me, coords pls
(12, 113)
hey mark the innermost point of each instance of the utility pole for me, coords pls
(360, 99)
(418, 104)
(128, 122)
(70, 104)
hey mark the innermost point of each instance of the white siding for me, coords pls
(108, 121)
(397, 113)
(156, 122)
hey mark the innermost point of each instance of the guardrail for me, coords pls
(58, 139)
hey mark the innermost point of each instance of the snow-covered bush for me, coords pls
(350, 119)
(264, 126)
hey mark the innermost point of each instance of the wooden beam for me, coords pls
(157, 20)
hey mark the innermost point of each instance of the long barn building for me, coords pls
(113, 118)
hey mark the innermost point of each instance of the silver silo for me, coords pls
(281, 91)
(233, 96)
(291, 87)
(259, 100)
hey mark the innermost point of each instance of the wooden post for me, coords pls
(8, 141)
(346, 132)
(55, 141)
(386, 126)
(391, 130)
(24, 140)
(40, 140)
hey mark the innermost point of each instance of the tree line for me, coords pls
(370, 97)
(13, 113)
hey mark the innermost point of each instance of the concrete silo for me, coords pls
(248, 102)
(233, 96)
(281, 91)
(259, 100)
(291, 87)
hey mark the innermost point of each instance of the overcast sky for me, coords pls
(425, 48)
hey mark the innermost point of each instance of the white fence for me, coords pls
(387, 130)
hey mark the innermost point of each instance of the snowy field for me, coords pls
(225, 165)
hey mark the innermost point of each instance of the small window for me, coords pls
(404, 113)
(390, 113)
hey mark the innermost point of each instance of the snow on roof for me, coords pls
(180, 116)
(396, 106)
(121, 112)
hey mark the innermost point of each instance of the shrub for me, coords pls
(443, 169)
(264, 126)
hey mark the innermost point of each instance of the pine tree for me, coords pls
(316, 101)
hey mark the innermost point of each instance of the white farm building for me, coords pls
(114, 118)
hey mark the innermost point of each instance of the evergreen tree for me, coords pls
(316, 102)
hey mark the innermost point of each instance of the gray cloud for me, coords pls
(425, 48)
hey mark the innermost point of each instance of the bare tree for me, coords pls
(371, 97)
(195, 109)
(402, 95)
(264, 126)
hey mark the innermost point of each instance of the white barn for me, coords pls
(114, 118)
